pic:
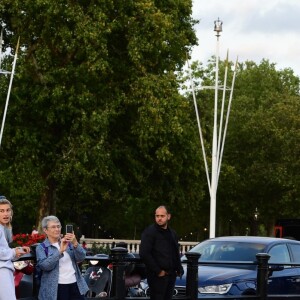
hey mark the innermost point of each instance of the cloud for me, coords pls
(253, 30)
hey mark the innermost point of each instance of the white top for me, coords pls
(66, 273)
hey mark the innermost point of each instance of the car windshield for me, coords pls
(227, 251)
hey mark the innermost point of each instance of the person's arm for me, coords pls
(6, 253)
(179, 268)
(79, 252)
(47, 260)
(8, 233)
(146, 246)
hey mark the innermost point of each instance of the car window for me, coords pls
(296, 252)
(279, 254)
(228, 251)
(238, 252)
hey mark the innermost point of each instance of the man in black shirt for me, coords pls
(160, 252)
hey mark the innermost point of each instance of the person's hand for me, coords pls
(63, 244)
(21, 251)
(180, 273)
(72, 239)
(162, 273)
(26, 249)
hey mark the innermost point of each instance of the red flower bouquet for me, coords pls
(25, 239)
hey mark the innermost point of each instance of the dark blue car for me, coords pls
(231, 279)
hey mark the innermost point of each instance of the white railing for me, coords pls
(132, 245)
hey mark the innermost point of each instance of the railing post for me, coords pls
(262, 275)
(35, 289)
(192, 275)
(117, 255)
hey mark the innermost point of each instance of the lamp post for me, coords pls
(230, 227)
(218, 140)
(214, 167)
(255, 217)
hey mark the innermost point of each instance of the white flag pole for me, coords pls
(228, 114)
(9, 90)
(1, 41)
(222, 110)
(199, 127)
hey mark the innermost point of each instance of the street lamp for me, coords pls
(218, 27)
(255, 217)
(218, 139)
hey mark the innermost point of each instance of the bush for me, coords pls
(98, 248)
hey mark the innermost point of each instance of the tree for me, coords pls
(262, 139)
(261, 158)
(96, 123)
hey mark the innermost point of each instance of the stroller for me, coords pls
(98, 278)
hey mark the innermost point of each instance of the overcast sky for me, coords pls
(252, 30)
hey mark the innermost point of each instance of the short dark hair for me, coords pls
(165, 207)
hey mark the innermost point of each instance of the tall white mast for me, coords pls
(214, 166)
(9, 90)
(219, 136)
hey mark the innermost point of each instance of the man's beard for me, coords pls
(163, 225)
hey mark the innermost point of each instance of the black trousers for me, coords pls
(161, 288)
(69, 292)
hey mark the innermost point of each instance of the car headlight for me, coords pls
(215, 289)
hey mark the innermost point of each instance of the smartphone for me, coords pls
(69, 228)
(21, 250)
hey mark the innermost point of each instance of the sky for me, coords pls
(252, 30)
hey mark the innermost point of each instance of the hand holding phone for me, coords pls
(21, 250)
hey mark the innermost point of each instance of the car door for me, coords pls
(295, 251)
(283, 281)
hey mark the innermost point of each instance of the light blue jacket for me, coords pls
(6, 254)
(49, 264)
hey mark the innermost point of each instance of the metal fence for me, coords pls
(119, 260)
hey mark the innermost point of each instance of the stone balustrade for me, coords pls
(133, 246)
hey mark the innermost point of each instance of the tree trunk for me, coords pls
(47, 204)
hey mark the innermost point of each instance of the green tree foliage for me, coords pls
(261, 156)
(265, 131)
(97, 132)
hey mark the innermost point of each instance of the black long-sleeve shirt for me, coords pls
(159, 249)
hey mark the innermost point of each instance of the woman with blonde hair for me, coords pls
(7, 255)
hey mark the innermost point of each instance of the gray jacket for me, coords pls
(49, 264)
(6, 254)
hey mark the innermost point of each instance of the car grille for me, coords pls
(179, 291)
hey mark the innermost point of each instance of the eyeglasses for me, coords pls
(54, 227)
